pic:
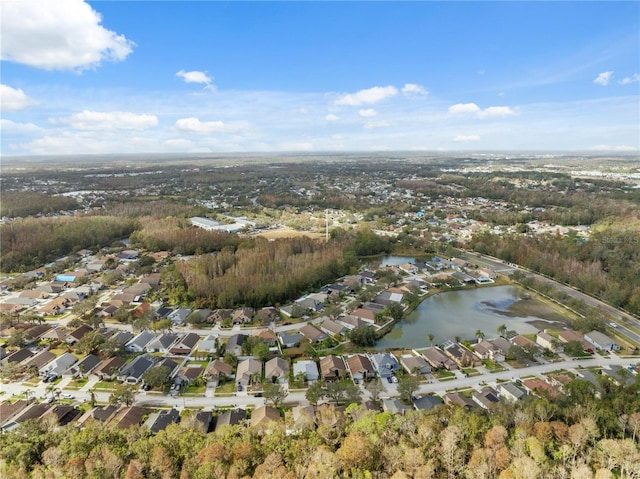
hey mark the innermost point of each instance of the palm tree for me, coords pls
(457, 338)
(479, 334)
(502, 329)
(430, 337)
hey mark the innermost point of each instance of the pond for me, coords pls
(458, 313)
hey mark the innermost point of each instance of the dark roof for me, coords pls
(231, 418)
(137, 367)
(19, 355)
(163, 419)
(426, 403)
(203, 420)
(88, 363)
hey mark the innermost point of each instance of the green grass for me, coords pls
(443, 374)
(108, 385)
(492, 366)
(228, 387)
(471, 372)
(194, 390)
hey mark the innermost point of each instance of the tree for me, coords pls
(343, 390)
(407, 385)
(261, 350)
(156, 376)
(394, 310)
(315, 392)
(89, 343)
(274, 393)
(430, 337)
(333, 310)
(479, 334)
(123, 394)
(363, 336)
(375, 388)
(16, 339)
(502, 329)
(164, 324)
(111, 347)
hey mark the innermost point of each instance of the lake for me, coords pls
(457, 313)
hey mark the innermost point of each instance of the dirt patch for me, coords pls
(532, 307)
(288, 233)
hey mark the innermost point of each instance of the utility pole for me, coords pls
(326, 227)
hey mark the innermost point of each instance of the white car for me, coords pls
(67, 396)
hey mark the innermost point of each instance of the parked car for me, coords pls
(67, 396)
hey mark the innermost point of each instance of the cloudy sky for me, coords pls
(134, 77)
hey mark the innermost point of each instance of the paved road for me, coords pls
(243, 400)
(622, 318)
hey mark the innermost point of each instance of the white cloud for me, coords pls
(620, 148)
(466, 138)
(108, 120)
(496, 111)
(58, 35)
(464, 108)
(368, 113)
(195, 77)
(490, 112)
(13, 99)
(8, 126)
(633, 79)
(603, 78)
(331, 117)
(376, 124)
(368, 96)
(194, 125)
(412, 89)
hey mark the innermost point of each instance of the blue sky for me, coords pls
(135, 77)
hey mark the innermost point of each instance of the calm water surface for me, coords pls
(457, 313)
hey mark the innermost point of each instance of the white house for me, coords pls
(602, 341)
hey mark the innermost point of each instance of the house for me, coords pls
(36, 332)
(289, 340)
(619, 375)
(84, 367)
(161, 343)
(268, 314)
(386, 364)
(140, 310)
(360, 367)
(242, 316)
(263, 416)
(179, 315)
(219, 315)
(426, 403)
(128, 255)
(525, 343)
(437, 359)
(55, 306)
(463, 357)
(138, 344)
(366, 315)
(158, 421)
(415, 365)
(312, 333)
(185, 344)
(337, 289)
(167, 363)
(129, 416)
(409, 268)
(268, 336)
(189, 373)
(77, 334)
(55, 368)
(302, 418)
(487, 350)
(568, 335)
(331, 328)
(122, 337)
(109, 368)
(459, 400)
(132, 372)
(217, 369)
(248, 371)
(511, 392)
(207, 346)
(101, 414)
(395, 406)
(231, 417)
(352, 322)
(34, 294)
(367, 277)
(502, 345)
(202, 421)
(540, 387)
(39, 360)
(310, 305)
(332, 368)
(602, 341)
(486, 398)
(547, 341)
(276, 369)
(61, 414)
(32, 411)
(234, 344)
(308, 368)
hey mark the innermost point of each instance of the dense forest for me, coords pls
(27, 203)
(577, 436)
(607, 265)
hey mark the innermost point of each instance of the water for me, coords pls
(396, 261)
(457, 313)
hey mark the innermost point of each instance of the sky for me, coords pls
(112, 77)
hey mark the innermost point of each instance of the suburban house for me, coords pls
(179, 315)
(39, 360)
(540, 387)
(415, 364)
(84, 367)
(276, 369)
(232, 417)
(602, 341)
(77, 334)
(312, 333)
(463, 357)
(248, 371)
(188, 374)
(58, 366)
(308, 368)
(352, 322)
(486, 398)
(488, 350)
(332, 328)
(161, 343)
(547, 341)
(332, 368)
(459, 400)
(437, 359)
(289, 340)
(109, 368)
(122, 337)
(268, 336)
(132, 372)
(568, 335)
(360, 367)
(427, 403)
(219, 315)
(242, 316)
(158, 421)
(138, 344)
(511, 392)
(234, 344)
(129, 416)
(185, 344)
(207, 346)
(366, 315)
(217, 369)
(262, 416)
(385, 363)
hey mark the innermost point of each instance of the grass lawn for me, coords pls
(443, 374)
(492, 366)
(105, 385)
(471, 372)
(228, 387)
(194, 390)
(31, 382)
(77, 384)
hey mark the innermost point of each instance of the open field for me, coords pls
(288, 233)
